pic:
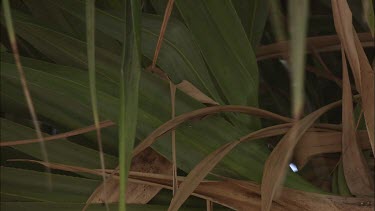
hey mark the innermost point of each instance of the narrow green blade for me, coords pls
(298, 28)
(129, 85)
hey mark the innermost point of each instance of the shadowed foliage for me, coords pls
(187, 105)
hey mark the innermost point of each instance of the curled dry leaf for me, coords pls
(173, 123)
(315, 143)
(241, 195)
(324, 43)
(201, 170)
(185, 86)
(277, 163)
(147, 161)
(367, 93)
(343, 23)
(356, 170)
(192, 91)
(361, 68)
(167, 14)
(197, 175)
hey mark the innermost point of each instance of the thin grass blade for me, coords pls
(30, 105)
(90, 34)
(298, 28)
(129, 85)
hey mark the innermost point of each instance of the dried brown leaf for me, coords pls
(343, 23)
(324, 43)
(243, 195)
(147, 161)
(167, 14)
(201, 170)
(317, 143)
(192, 91)
(367, 92)
(185, 86)
(173, 123)
(102, 124)
(277, 163)
(361, 68)
(198, 174)
(356, 170)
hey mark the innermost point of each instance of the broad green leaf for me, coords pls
(190, 65)
(62, 48)
(50, 14)
(179, 56)
(13, 43)
(31, 185)
(253, 15)
(60, 151)
(197, 139)
(226, 49)
(160, 5)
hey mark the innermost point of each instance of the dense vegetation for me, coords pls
(187, 105)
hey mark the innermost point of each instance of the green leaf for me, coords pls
(179, 56)
(226, 49)
(370, 15)
(298, 28)
(129, 85)
(334, 185)
(50, 15)
(51, 84)
(160, 5)
(253, 15)
(60, 151)
(64, 49)
(31, 185)
(341, 182)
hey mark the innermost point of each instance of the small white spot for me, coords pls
(284, 63)
(293, 167)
